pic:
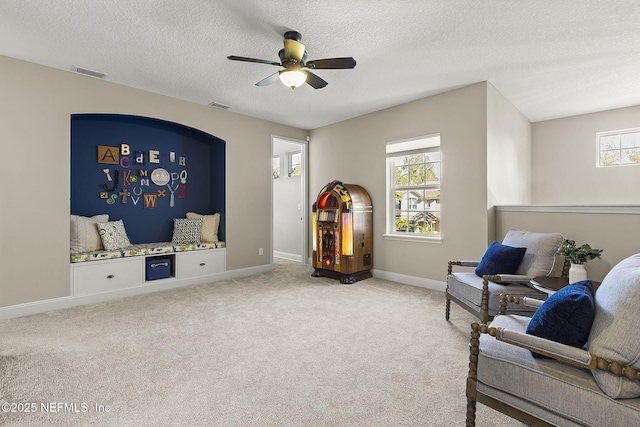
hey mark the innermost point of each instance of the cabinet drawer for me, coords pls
(104, 276)
(200, 263)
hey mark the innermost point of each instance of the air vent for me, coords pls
(217, 105)
(90, 73)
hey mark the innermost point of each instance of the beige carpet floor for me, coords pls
(274, 349)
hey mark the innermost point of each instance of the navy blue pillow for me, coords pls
(500, 259)
(566, 316)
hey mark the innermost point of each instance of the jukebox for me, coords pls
(342, 224)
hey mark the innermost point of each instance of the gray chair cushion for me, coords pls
(551, 390)
(541, 258)
(614, 333)
(468, 286)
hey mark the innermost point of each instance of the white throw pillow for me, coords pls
(614, 334)
(540, 258)
(210, 224)
(113, 235)
(84, 233)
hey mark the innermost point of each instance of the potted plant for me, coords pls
(578, 256)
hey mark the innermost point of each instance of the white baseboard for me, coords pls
(435, 285)
(36, 307)
(285, 255)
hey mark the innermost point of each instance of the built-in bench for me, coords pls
(120, 271)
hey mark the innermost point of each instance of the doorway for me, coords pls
(289, 198)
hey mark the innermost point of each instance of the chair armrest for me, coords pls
(521, 301)
(461, 263)
(563, 353)
(506, 278)
(465, 263)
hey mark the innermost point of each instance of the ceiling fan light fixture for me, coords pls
(293, 78)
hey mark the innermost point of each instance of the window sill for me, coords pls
(421, 239)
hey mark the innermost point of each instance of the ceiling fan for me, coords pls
(294, 59)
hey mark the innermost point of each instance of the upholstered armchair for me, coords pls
(506, 268)
(576, 362)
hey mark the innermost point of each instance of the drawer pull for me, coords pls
(202, 264)
(160, 264)
(111, 276)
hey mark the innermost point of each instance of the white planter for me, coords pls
(577, 272)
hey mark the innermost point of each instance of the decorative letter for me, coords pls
(115, 182)
(144, 182)
(182, 190)
(108, 155)
(162, 193)
(183, 161)
(153, 156)
(172, 156)
(150, 200)
(124, 162)
(172, 190)
(124, 193)
(139, 158)
(124, 149)
(143, 172)
(125, 176)
(183, 176)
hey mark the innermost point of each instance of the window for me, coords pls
(275, 166)
(295, 160)
(620, 147)
(413, 187)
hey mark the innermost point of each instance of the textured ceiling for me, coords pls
(549, 58)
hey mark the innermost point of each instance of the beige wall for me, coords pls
(508, 155)
(564, 161)
(35, 111)
(613, 232)
(353, 151)
(508, 152)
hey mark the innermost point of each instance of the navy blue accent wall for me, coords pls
(146, 211)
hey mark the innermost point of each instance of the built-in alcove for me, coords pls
(146, 172)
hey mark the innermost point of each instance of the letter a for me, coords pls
(108, 155)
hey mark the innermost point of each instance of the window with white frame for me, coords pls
(295, 163)
(413, 187)
(621, 147)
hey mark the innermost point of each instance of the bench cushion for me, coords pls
(144, 249)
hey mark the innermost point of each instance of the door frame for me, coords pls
(304, 208)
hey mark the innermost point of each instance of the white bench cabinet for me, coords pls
(109, 275)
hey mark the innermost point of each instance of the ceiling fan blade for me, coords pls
(314, 81)
(293, 49)
(259, 61)
(332, 63)
(267, 81)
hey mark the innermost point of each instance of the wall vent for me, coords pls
(90, 72)
(217, 105)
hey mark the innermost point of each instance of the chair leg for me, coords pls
(471, 413)
(447, 307)
(472, 377)
(484, 302)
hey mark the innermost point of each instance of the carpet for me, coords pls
(273, 349)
